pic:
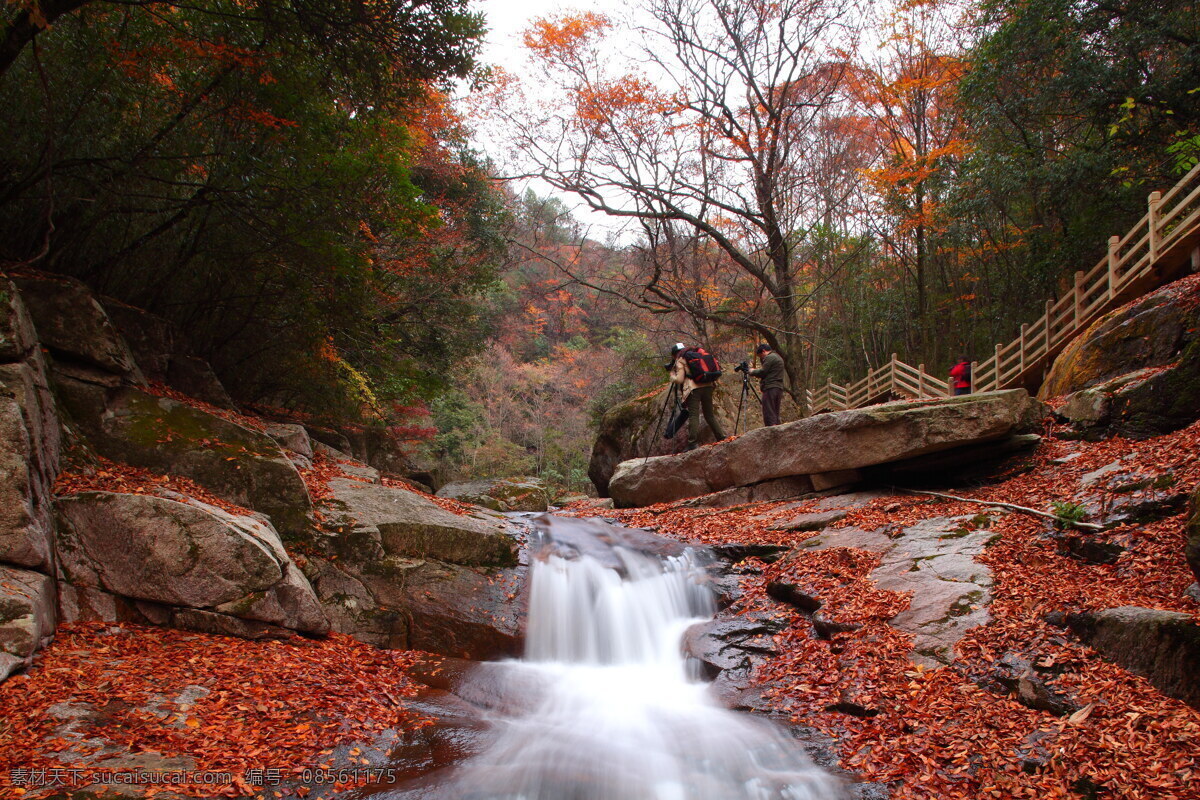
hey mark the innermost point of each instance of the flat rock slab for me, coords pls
(935, 561)
(813, 521)
(826, 443)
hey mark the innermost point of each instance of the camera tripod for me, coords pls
(747, 388)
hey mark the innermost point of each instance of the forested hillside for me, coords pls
(302, 188)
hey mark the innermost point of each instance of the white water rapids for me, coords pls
(609, 709)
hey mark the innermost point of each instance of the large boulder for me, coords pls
(151, 339)
(195, 378)
(1161, 646)
(1136, 370)
(827, 443)
(29, 441)
(158, 348)
(74, 326)
(396, 570)
(185, 554)
(27, 617)
(233, 461)
(501, 494)
(409, 525)
(635, 429)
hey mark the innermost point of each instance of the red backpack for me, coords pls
(702, 366)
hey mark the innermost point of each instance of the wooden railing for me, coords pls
(1163, 244)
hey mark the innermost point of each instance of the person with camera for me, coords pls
(771, 377)
(696, 372)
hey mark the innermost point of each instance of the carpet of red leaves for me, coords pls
(110, 476)
(949, 733)
(275, 704)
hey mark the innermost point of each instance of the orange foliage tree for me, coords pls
(703, 149)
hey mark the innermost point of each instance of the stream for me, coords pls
(604, 705)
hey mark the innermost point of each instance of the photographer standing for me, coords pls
(696, 372)
(771, 374)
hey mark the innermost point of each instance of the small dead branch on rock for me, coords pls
(1087, 526)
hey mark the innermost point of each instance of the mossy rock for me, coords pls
(1151, 331)
(501, 494)
(234, 462)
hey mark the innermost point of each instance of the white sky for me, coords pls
(506, 21)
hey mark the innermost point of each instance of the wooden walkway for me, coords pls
(1164, 245)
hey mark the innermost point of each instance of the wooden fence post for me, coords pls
(1078, 297)
(974, 370)
(1021, 352)
(892, 375)
(1152, 224)
(920, 381)
(996, 370)
(1049, 325)
(1113, 243)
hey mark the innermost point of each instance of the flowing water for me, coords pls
(608, 706)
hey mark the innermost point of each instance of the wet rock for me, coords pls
(74, 326)
(1162, 646)
(802, 597)
(853, 705)
(827, 627)
(1028, 682)
(740, 552)
(731, 643)
(501, 494)
(1034, 751)
(826, 443)
(814, 521)
(1142, 510)
(27, 616)
(185, 554)
(1089, 549)
(234, 462)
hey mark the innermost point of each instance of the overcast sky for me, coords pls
(506, 21)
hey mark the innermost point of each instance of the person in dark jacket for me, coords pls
(771, 376)
(697, 397)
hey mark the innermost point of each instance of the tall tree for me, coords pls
(704, 148)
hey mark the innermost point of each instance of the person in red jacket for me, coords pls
(960, 377)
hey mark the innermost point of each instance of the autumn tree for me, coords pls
(907, 93)
(1074, 112)
(284, 180)
(703, 147)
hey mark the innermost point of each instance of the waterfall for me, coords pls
(612, 711)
